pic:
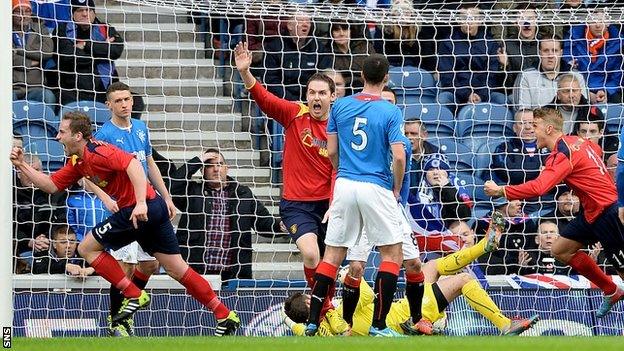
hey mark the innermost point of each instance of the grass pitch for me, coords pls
(323, 344)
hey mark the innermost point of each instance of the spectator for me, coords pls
(260, 31)
(84, 211)
(401, 42)
(416, 132)
(52, 12)
(572, 104)
(218, 215)
(518, 160)
(339, 80)
(500, 32)
(520, 46)
(62, 257)
(345, 53)
(537, 87)
(32, 46)
(87, 50)
(35, 213)
(292, 59)
(389, 95)
(567, 207)
(540, 260)
(596, 51)
(468, 62)
(440, 198)
(591, 126)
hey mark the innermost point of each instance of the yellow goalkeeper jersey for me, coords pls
(333, 324)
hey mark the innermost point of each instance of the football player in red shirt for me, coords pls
(578, 163)
(306, 168)
(143, 217)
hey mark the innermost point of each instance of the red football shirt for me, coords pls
(105, 165)
(577, 162)
(306, 167)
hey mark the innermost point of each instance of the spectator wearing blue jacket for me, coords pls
(596, 51)
(468, 62)
(84, 211)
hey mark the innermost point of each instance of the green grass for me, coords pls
(321, 344)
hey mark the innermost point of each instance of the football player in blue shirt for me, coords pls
(366, 146)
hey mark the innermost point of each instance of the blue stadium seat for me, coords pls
(404, 100)
(614, 113)
(438, 119)
(33, 120)
(411, 80)
(97, 111)
(483, 120)
(50, 152)
(483, 158)
(459, 155)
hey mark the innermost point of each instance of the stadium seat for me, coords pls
(459, 155)
(33, 120)
(613, 114)
(411, 80)
(438, 120)
(50, 152)
(483, 120)
(97, 111)
(404, 100)
(483, 157)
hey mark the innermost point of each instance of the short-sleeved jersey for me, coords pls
(578, 163)
(306, 168)
(366, 126)
(134, 140)
(104, 165)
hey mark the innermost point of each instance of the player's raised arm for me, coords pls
(39, 179)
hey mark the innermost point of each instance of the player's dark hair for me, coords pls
(296, 309)
(322, 77)
(388, 89)
(116, 86)
(80, 123)
(61, 229)
(375, 68)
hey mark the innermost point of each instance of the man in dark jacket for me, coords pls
(292, 58)
(218, 215)
(62, 258)
(87, 50)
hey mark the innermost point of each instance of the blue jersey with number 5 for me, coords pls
(366, 126)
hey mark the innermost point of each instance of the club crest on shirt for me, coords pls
(97, 181)
(141, 135)
(309, 140)
(293, 228)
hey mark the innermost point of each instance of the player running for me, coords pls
(130, 135)
(307, 169)
(363, 136)
(578, 163)
(143, 217)
(439, 293)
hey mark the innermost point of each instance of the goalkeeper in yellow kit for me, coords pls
(438, 294)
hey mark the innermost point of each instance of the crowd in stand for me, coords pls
(66, 54)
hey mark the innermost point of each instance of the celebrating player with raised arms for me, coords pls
(307, 169)
(578, 163)
(143, 216)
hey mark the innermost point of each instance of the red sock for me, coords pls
(108, 268)
(309, 275)
(352, 282)
(415, 277)
(201, 290)
(582, 263)
(139, 279)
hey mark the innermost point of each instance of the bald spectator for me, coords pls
(292, 59)
(537, 87)
(540, 260)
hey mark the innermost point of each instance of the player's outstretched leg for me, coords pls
(200, 289)
(324, 278)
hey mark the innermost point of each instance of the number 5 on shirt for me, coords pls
(359, 121)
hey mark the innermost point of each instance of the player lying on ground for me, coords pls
(143, 217)
(578, 163)
(439, 293)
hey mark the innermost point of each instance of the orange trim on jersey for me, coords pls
(303, 109)
(74, 160)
